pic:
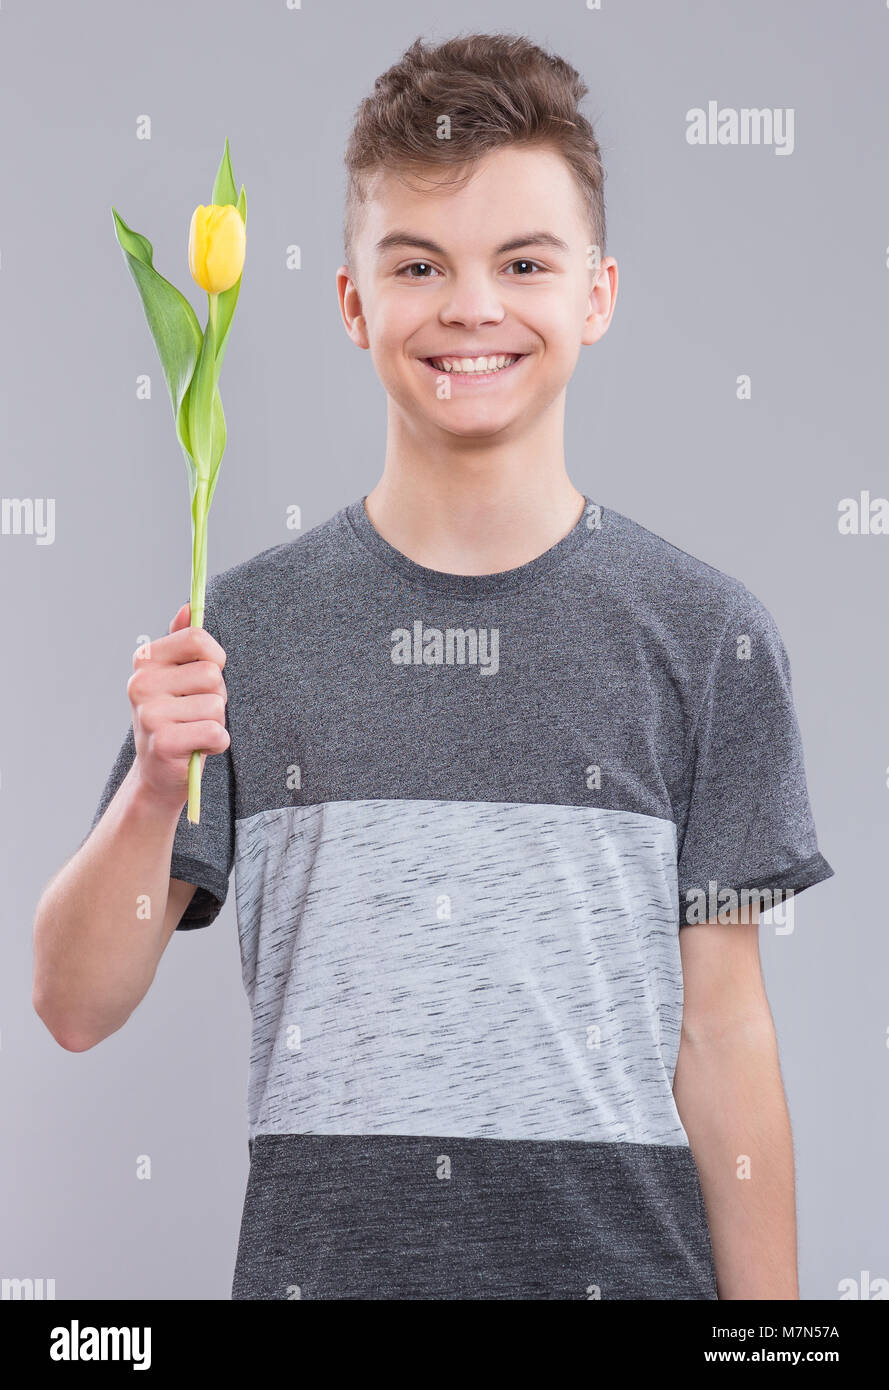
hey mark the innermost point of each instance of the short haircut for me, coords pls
(487, 91)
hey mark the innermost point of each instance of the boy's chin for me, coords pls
(467, 421)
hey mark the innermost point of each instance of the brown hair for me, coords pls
(495, 90)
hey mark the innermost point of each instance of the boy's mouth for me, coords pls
(475, 369)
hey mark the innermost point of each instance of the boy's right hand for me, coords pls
(178, 698)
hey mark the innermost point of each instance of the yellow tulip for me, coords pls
(217, 243)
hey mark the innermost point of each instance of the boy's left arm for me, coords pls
(730, 1097)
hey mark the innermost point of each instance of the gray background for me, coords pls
(732, 260)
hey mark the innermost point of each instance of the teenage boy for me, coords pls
(484, 756)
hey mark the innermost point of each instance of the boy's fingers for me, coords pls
(181, 623)
(182, 618)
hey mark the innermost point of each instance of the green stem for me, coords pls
(199, 552)
(199, 510)
(198, 594)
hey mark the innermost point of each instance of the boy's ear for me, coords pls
(350, 307)
(603, 297)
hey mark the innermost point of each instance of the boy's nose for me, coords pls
(472, 316)
(472, 304)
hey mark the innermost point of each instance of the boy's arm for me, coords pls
(730, 1098)
(104, 920)
(96, 946)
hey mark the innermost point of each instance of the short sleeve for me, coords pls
(748, 822)
(203, 854)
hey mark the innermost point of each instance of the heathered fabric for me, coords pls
(498, 1043)
(439, 1217)
(468, 816)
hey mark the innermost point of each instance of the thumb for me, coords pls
(182, 618)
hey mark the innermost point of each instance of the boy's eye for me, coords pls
(525, 262)
(424, 266)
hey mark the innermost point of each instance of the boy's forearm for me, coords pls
(98, 928)
(731, 1101)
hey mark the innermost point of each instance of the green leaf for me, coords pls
(200, 403)
(224, 183)
(192, 475)
(229, 298)
(225, 312)
(224, 193)
(218, 445)
(185, 441)
(173, 322)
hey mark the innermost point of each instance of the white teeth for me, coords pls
(472, 364)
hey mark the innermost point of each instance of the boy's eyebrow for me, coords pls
(400, 238)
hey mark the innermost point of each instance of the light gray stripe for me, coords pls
(504, 970)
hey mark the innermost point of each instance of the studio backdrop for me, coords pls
(736, 407)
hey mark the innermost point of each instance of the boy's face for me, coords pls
(466, 273)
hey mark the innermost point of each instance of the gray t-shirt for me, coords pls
(468, 816)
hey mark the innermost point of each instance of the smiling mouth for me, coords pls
(470, 369)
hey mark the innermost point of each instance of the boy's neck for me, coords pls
(470, 510)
